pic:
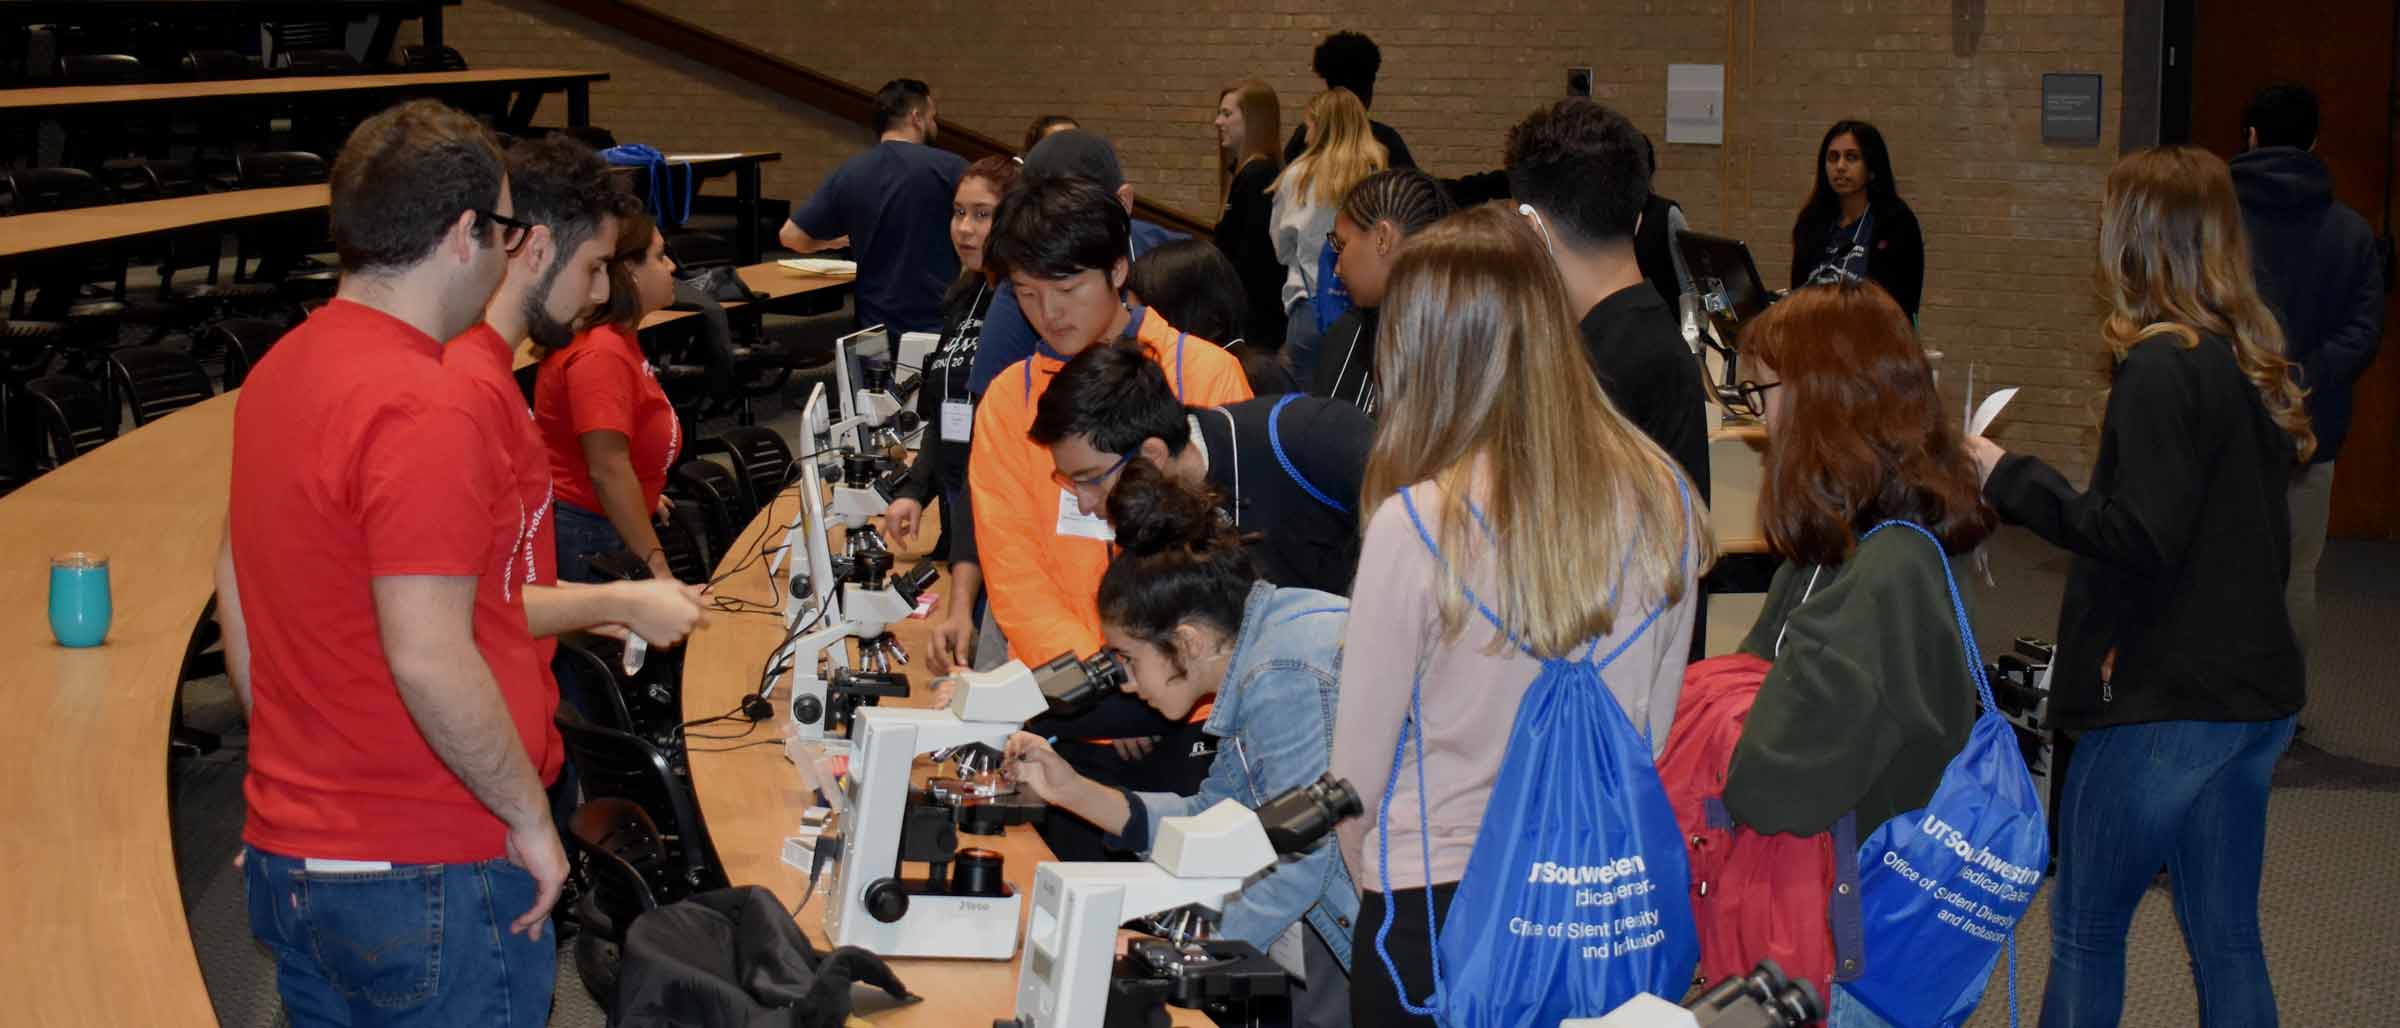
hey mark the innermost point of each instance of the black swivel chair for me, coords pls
(614, 764)
(714, 494)
(92, 140)
(628, 871)
(241, 343)
(762, 464)
(74, 418)
(156, 381)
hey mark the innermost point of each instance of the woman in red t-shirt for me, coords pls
(612, 434)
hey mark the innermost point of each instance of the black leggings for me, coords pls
(1372, 1001)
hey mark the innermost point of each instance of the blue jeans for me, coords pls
(2187, 795)
(420, 944)
(583, 535)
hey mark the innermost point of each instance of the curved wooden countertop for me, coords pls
(752, 798)
(48, 99)
(96, 933)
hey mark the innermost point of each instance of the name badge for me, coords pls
(958, 421)
(1072, 521)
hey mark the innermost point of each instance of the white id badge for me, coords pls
(958, 421)
(1072, 521)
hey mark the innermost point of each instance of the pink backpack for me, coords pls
(1754, 896)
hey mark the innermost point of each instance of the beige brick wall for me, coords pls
(2009, 221)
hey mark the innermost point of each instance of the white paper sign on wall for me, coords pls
(1696, 103)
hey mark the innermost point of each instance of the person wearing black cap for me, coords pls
(1074, 153)
(891, 204)
(1349, 60)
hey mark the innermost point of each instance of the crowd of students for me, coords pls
(1494, 462)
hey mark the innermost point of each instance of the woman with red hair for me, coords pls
(1868, 700)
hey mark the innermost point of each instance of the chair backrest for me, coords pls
(626, 859)
(206, 65)
(615, 764)
(75, 417)
(57, 189)
(280, 168)
(306, 35)
(142, 178)
(692, 250)
(321, 61)
(100, 69)
(245, 342)
(687, 555)
(157, 381)
(584, 674)
(711, 490)
(762, 462)
(431, 58)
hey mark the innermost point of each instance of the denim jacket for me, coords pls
(1275, 716)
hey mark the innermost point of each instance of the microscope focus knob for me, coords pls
(886, 900)
(807, 709)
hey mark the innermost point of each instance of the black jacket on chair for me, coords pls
(734, 958)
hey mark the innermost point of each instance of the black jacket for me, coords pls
(939, 471)
(2182, 545)
(2318, 266)
(1243, 237)
(1895, 252)
(1346, 361)
(734, 958)
(1301, 539)
(1395, 149)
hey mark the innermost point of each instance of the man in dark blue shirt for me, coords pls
(891, 205)
(1007, 337)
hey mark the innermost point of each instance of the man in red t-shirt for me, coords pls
(400, 855)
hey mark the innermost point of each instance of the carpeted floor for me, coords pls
(2330, 901)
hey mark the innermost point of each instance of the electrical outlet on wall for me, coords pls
(1579, 81)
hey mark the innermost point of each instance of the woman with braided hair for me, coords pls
(1383, 209)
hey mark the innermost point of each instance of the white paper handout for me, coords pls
(1989, 410)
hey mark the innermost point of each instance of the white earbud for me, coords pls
(1527, 210)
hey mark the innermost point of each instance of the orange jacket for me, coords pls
(1044, 586)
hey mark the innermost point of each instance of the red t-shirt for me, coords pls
(601, 383)
(501, 417)
(355, 456)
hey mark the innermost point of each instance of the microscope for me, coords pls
(855, 596)
(1070, 975)
(1764, 998)
(962, 905)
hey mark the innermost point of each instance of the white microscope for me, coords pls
(1070, 975)
(855, 597)
(962, 906)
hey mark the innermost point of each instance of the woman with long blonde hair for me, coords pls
(1341, 151)
(1249, 118)
(1566, 522)
(2176, 658)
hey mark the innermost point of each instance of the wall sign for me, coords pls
(2071, 108)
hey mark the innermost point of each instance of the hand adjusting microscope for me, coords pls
(962, 905)
(1070, 975)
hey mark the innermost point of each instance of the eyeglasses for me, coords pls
(513, 233)
(1073, 484)
(1749, 398)
(1334, 240)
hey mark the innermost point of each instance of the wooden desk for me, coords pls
(96, 933)
(753, 798)
(55, 100)
(746, 190)
(55, 230)
(774, 280)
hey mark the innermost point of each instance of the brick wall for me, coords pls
(2009, 222)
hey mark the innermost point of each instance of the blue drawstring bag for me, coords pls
(1941, 888)
(659, 174)
(1577, 896)
(1333, 298)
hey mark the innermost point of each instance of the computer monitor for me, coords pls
(851, 354)
(806, 536)
(1727, 279)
